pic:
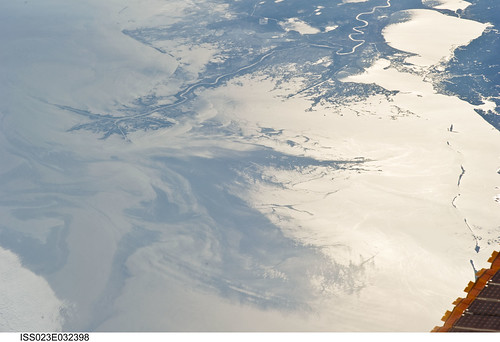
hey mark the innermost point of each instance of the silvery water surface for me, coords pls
(131, 164)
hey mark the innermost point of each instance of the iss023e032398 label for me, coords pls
(55, 337)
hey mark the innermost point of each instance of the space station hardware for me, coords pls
(479, 311)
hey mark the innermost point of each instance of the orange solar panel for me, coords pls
(490, 292)
(484, 307)
(480, 310)
(496, 278)
(478, 322)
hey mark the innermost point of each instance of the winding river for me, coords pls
(357, 29)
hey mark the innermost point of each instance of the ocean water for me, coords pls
(189, 166)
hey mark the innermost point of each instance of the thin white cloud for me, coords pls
(452, 5)
(431, 35)
(27, 302)
(298, 25)
(251, 213)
